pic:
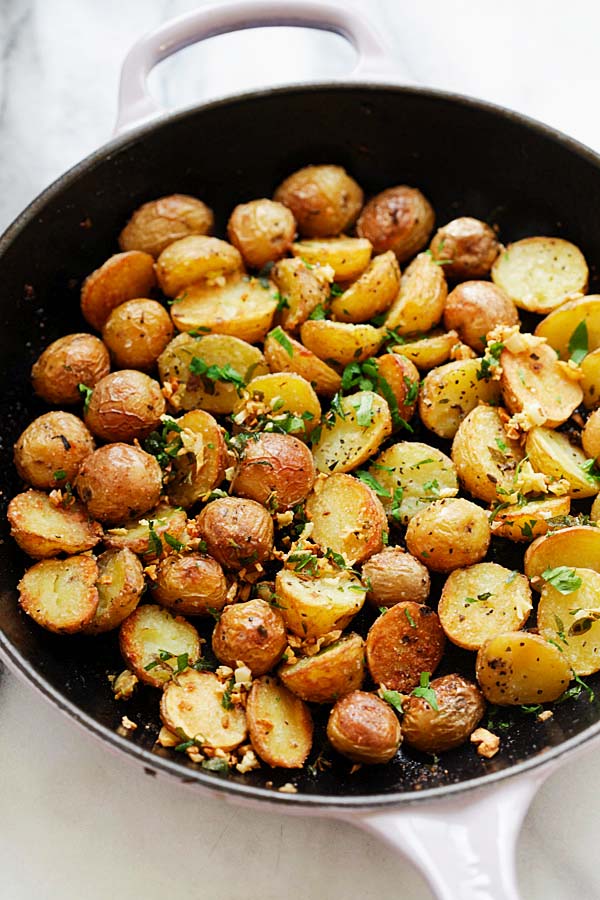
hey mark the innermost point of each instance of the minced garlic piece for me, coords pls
(248, 762)
(488, 744)
(288, 788)
(167, 738)
(124, 685)
(127, 724)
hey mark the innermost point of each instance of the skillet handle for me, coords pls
(136, 104)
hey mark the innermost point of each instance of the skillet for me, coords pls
(457, 819)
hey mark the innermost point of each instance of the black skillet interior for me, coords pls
(468, 158)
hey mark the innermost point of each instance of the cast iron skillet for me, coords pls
(469, 158)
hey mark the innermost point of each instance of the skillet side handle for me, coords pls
(136, 104)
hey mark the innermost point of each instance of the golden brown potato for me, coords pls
(252, 633)
(276, 470)
(200, 464)
(520, 667)
(65, 364)
(165, 522)
(393, 576)
(193, 259)
(540, 273)
(474, 308)
(486, 459)
(578, 545)
(325, 200)
(190, 585)
(466, 248)
(529, 521)
(402, 379)
(450, 392)
(372, 293)
(536, 380)
(118, 482)
(299, 359)
(284, 398)
(136, 333)
(402, 643)
(559, 326)
(552, 453)
(347, 440)
(123, 276)
(280, 724)
(449, 534)
(147, 637)
(590, 436)
(399, 219)
(156, 224)
(42, 528)
(192, 707)
(590, 383)
(347, 256)
(125, 406)
(460, 708)
(50, 451)
(572, 621)
(60, 594)
(314, 606)
(420, 303)
(238, 532)
(334, 671)
(364, 728)
(120, 585)
(340, 342)
(262, 231)
(430, 351)
(301, 289)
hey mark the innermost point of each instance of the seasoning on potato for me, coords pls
(65, 364)
(364, 728)
(276, 470)
(191, 584)
(155, 225)
(465, 247)
(122, 277)
(459, 708)
(324, 199)
(252, 633)
(136, 333)
(262, 231)
(449, 534)
(50, 451)
(125, 406)
(118, 482)
(393, 575)
(474, 308)
(403, 642)
(238, 532)
(399, 219)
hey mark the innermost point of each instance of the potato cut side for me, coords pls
(428, 352)
(372, 293)
(193, 705)
(301, 290)
(402, 643)
(187, 391)
(519, 668)
(60, 595)
(200, 463)
(348, 257)
(332, 672)
(578, 545)
(536, 380)
(411, 475)
(312, 607)
(148, 635)
(347, 518)
(560, 326)
(482, 601)
(540, 273)
(450, 392)
(486, 459)
(348, 439)
(572, 621)
(42, 528)
(135, 535)
(420, 302)
(120, 586)
(590, 383)
(285, 398)
(552, 453)
(279, 723)
(295, 357)
(193, 259)
(122, 277)
(524, 523)
(341, 342)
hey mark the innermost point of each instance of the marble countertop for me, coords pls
(76, 819)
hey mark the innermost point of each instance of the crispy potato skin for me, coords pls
(262, 230)
(590, 436)
(156, 224)
(372, 293)
(420, 303)
(402, 377)
(125, 406)
(467, 248)
(474, 308)
(135, 536)
(398, 651)
(347, 517)
(60, 594)
(190, 585)
(461, 707)
(277, 470)
(118, 482)
(393, 575)
(336, 670)
(325, 380)
(279, 723)
(136, 333)
(449, 534)
(123, 276)
(65, 364)
(150, 629)
(324, 200)
(251, 632)
(54, 444)
(238, 532)
(120, 585)
(201, 468)
(193, 259)
(43, 530)
(302, 290)
(364, 728)
(399, 219)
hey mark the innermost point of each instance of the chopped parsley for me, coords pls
(212, 374)
(411, 621)
(59, 475)
(318, 313)
(578, 343)
(281, 337)
(162, 445)
(226, 698)
(426, 692)
(395, 511)
(215, 764)
(372, 482)
(490, 360)
(86, 392)
(394, 699)
(563, 579)
(336, 290)
(173, 542)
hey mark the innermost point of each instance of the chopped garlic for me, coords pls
(488, 744)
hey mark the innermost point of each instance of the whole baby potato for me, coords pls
(466, 247)
(238, 533)
(190, 585)
(590, 436)
(460, 707)
(125, 406)
(51, 449)
(156, 224)
(122, 277)
(364, 728)
(251, 632)
(118, 482)
(136, 333)
(449, 534)
(399, 219)
(474, 308)
(325, 200)
(276, 470)
(394, 575)
(194, 259)
(262, 231)
(65, 364)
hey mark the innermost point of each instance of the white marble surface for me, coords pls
(77, 821)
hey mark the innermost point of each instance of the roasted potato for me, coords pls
(146, 638)
(65, 364)
(190, 584)
(287, 400)
(118, 482)
(572, 621)
(314, 606)
(279, 723)
(302, 290)
(449, 393)
(149, 537)
(120, 585)
(449, 534)
(364, 728)
(552, 453)
(200, 463)
(466, 248)
(262, 231)
(347, 256)
(399, 219)
(295, 357)
(398, 381)
(519, 667)
(324, 199)
(530, 520)
(276, 470)
(393, 575)
(43, 528)
(590, 382)
(193, 259)
(402, 643)
(578, 545)
(540, 273)
(122, 277)
(560, 326)
(192, 706)
(536, 380)
(50, 451)
(486, 459)
(60, 594)
(428, 352)
(238, 533)
(340, 342)
(125, 406)
(156, 224)
(252, 633)
(460, 706)
(372, 293)
(349, 438)
(334, 671)
(420, 303)
(475, 308)
(590, 436)
(136, 333)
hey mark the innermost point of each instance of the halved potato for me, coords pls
(60, 594)
(42, 528)
(481, 601)
(540, 273)
(301, 289)
(241, 307)
(398, 380)
(332, 672)
(283, 395)
(590, 436)
(535, 379)
(200, 465)
(449, 534)
(595, 511)
(486, 459)
(402, 643)
(191, 584)
(524, 523)
(429, 351)
(312, 607)
(572, 621)
(347, 517)
(372, 293)
(123, 276)
(193, 706)
(299, 359)
(450, 392)
(552, 453)
(194, 259)
(560, 325)
(347, 256)
(135, 535)
(152, 640)
(590, 383)
(578, 545)
(120, 585)
(280, 724)
(340, 342)
(420, 302)
(519, 667)
(347, 440)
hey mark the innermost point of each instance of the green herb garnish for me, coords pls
(563, 579)
(578, 343)
(426, 692)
